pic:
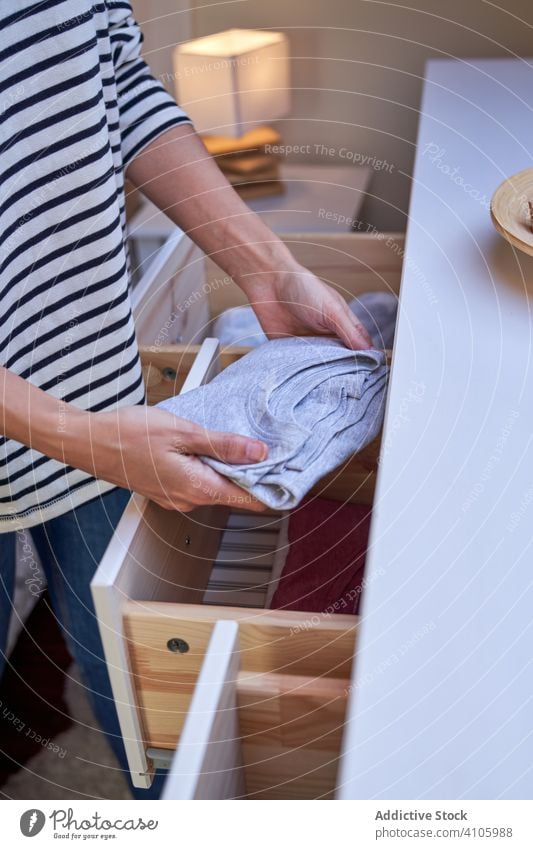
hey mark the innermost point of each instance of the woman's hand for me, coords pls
(153, 452)
(144, 449)
(297, 303)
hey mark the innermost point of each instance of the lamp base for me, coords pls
(247, 163)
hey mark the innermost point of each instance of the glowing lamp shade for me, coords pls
(232, 81)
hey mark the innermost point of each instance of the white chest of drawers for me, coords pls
(443, 685)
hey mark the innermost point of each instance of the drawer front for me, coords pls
(278, 643)
(208, 764)
(153, 554)
(261, 734)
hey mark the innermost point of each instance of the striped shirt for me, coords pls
(77, 104)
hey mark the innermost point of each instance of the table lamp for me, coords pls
(232, 84)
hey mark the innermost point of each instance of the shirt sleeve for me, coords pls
(145, 107)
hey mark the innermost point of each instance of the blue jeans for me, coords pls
(71, 547)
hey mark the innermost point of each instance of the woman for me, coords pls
(80, 112)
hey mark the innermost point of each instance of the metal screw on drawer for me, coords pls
(169, 373)
(177, 644)
(187, 540)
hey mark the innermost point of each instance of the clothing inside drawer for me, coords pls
(242, 573)
(310, 559)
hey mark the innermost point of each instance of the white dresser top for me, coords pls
(442, 701)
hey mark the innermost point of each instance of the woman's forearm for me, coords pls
(47, 424)
(177, 173)
(181, 178)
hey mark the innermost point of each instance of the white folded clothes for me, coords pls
(313, 401)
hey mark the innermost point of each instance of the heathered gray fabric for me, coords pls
(239, 326)
(375, 310)
(313, 401)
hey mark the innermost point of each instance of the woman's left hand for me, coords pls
(298, 303)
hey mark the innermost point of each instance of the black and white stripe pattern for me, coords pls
(77, 104)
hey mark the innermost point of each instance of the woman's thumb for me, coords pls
(228, 447)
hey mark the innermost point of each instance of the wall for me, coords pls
(357, 70)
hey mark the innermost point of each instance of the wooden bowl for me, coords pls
(510, 211)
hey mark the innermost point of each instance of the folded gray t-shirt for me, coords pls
(312, 400)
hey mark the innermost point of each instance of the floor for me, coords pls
(50, 745)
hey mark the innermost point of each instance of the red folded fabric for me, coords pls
(325, 565)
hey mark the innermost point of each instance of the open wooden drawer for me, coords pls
(254, 699)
